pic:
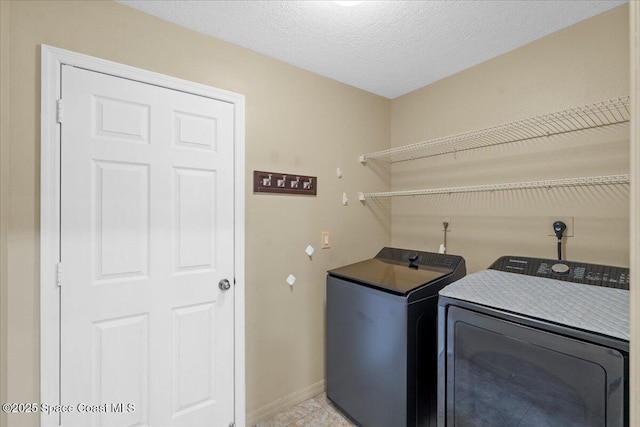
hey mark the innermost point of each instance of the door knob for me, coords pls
(224, 285)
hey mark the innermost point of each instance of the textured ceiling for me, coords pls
(385, 47)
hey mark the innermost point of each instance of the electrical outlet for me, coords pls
(566, 219)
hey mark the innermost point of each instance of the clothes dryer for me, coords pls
(533, 342)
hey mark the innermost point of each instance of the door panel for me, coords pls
(195, 132)
(146, 235)
(121, 198)
(121, 119)
(195, 220)
(194, 357)
(123, 343)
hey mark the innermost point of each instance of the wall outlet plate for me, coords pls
(548, 221)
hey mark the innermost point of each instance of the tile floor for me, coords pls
(314, 412)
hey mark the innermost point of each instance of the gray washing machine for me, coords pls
(382, 336)
(535, 342)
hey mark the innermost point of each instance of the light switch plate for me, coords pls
(326, 239)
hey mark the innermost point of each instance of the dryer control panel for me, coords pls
(569, 271)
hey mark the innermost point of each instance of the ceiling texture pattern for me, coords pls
(388, 48)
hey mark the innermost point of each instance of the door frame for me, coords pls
(52, 59)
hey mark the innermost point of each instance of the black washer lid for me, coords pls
(398, 271)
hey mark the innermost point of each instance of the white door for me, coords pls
(146, 236)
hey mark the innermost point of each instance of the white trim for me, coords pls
(634, 235)
(239, 279)
(52, 60)
(49, 233)
(284, 403)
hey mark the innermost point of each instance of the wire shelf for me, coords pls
(604, 113)
(550, 183)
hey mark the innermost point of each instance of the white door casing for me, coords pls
(147, 232)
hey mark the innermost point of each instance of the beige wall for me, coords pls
(300, 122)
(4, 175)
(296, 122)
(582, 64)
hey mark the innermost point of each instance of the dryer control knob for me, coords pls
(560, 268)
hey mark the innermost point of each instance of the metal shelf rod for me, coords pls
(603, 113)
(550, 183)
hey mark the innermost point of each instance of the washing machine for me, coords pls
(535, 342)
(381, 336)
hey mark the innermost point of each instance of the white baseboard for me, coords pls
(284, 403)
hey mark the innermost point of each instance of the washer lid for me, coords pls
(392, 276)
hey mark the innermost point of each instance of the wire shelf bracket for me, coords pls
(551, 183)
(604, 113)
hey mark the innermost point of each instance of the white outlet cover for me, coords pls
(291, 279)
(345, 199)
(309, 251)
(339, 173)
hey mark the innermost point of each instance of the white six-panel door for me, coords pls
(146, 236)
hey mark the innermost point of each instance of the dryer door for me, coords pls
(501, 373)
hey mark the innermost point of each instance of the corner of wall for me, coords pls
(634, 235)
(4, 175)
